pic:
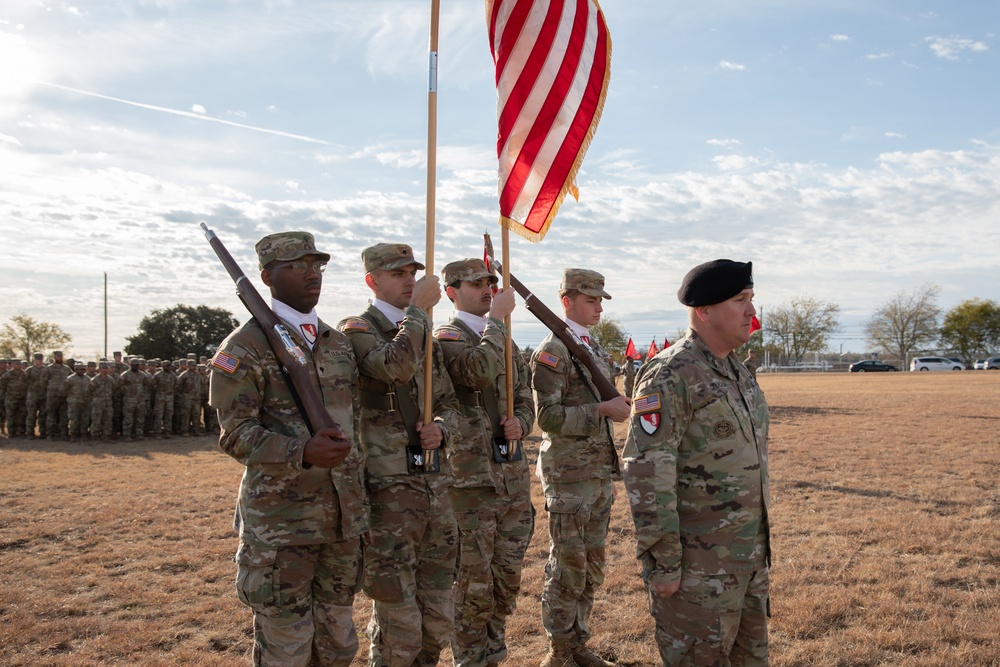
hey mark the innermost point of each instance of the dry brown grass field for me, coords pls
(886, 539)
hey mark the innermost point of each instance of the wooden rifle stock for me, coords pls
(288, 353)
(557, 326)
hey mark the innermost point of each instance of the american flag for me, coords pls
(646, 403)
(225, 362)
(553, 64)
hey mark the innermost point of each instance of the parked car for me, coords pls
(992, 364)
(979, 365)
(871, 366)
(935, 364)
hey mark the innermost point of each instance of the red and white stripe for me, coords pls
(553, 64)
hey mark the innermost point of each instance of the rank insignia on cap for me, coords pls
(355, 324)
(225, 362)
(448, 335)
(650, 422)
(647, 403)
(548, 359)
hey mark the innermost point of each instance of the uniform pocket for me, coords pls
(257, 578)
(563, 504)
(685, 629)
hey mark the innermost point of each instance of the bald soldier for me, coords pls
(492, 487)
(577, 463)
(410, 563)
(300, 511)
(697, 475)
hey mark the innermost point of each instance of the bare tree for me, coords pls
(906, 322)
(803, 325)
(25, 335)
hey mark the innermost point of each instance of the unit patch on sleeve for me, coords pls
(548, 359)
(355, 324)
(650, 422)
(445, 334)
(225, 362)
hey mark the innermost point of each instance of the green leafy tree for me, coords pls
(803, 325)
(906, 322)
(972, 328)
(610, 335)
(172, 333)
(25, 335)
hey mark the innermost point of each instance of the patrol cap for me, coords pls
(202, 366)
(287, 246)
(468, 270)
(116, 353)
(388, 256)
(38, 355)
(714, 282)
(104, 364)
(92, 363)
(57, 353)
(584, 281)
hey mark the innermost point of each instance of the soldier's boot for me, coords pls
(584, 657)
(560, 655)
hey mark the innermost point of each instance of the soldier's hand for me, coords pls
(327, 449)
(666, 590)
(511, 428)
(430, 435)
(503, 303)
(618, 409)
(426, 292)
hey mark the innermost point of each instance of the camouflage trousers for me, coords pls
(133, 417)
(56, 416)
(191, 421)
(209, 417)
(36, 414)
(409, 572)
(713, 621)
(579, 514)
(494, 532)
(101, 414)
(16, 415)
(163, 415)
(302, 599)
(79, 419)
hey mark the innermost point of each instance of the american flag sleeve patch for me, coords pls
(548, 359)
(225, 362)
(647, 403)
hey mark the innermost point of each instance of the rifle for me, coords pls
(557, 326)
(290, 355)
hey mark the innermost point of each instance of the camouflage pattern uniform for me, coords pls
(163, 408)
(299, 560)
(410, 564)
(207, 413)
(577, 462)
(74, 391)
(56, 414)
(697, 476)
(15, 399)
(35, 401)
(4, 367)
(100, 395)
(629, 376)
(492, 498)
(185, 401)
(133, 386)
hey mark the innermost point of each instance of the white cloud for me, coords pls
(738, 67)
(840, 38)
(197, 108)
(949, 48)
(877, 56)
(723, 142)
(895, 135)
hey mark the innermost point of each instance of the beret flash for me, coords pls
(714, 282)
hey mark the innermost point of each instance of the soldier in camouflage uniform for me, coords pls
(301, 507)
(35, 401)
(133, 385)
(186, 398)
(4, 367)
(206, 411)
(164, 383)
(697, 476)
(56, 415)
(100, 395)
(492, 489)
(577, 463)
(15, 398)
(74, 392)
(410, 564)
(629, 376)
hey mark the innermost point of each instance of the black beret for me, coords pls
(714, 282)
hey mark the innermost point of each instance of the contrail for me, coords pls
(188, 114)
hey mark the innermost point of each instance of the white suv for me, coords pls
(992, 364)
(935, 364)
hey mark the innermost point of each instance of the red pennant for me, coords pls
(754, 325)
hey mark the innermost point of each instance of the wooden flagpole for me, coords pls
(508, 344)
(430, 456)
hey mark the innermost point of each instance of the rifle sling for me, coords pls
(404, 395)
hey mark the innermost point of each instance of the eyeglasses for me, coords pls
(299, 267)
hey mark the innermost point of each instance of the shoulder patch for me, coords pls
(548, 359)
(646, 403)
(355, 324)
(445, 334)
(225, 362)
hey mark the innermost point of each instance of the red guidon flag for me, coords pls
(553, 64)
(630, 350)
(652, 350)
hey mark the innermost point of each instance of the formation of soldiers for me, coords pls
(131, 398)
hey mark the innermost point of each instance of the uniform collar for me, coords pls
(475, 322)
(306, 325)
(393, 314)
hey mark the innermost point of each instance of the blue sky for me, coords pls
(850, 149)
